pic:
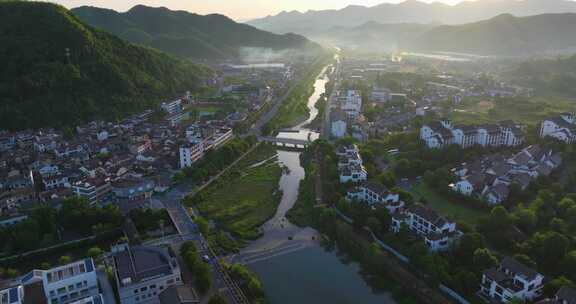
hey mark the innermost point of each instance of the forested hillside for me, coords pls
(58, 71)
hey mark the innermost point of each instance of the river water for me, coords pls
(292, 265)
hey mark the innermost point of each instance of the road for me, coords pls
(188, 231)
(107, 291)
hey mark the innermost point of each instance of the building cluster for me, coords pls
(561, 127)
(104, 162)
(350, 166)
(347, 114)
(142, 275)
(440, 134)
(490, 178)
(437, 231)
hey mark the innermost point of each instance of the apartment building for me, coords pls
(143, 272)
(562, 127)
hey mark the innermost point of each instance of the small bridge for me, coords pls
(286, 142)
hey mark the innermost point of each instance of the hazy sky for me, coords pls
(237, 9)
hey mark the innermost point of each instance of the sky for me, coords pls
(240, 10)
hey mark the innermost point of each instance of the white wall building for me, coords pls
(510, 280)
(441, 134)
(437, 231)
(66, 284)
(375, 195)
(562, 127)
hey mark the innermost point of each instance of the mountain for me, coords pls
(57, 71)
(189, 35)
(504, 35)
(410, 11)
(373, 36)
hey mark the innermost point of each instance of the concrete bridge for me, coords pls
(286, 142)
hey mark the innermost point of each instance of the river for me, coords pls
(289, 260)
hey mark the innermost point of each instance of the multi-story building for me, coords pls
(562, 127)
(93, 189)
(133, 189)
(12, 295)
(380, 95)
(338, 124)
(375, 195)
(511, 280)
(172, 107)
(190, 154)
(65, 284)
(350, 165)
(437, 231)
(442, 133)
(142, 273)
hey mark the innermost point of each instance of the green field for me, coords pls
(452, 210)
(245, 197)
(529, 111)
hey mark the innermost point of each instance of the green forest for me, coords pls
(58, 71)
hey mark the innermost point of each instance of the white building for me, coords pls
(437, 231)
(65, 284)
(350, 165)
(510, 280)
(338, 124)
(380, 95)
(190, 154)
(12, 295)
(351, 104)
(172, 107)
(441, 134)
(375, 195)
(142, 273)
(562, 127)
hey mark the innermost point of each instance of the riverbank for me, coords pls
(295, 110)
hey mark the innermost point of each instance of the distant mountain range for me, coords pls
(59, 72)
(502, 35)
(189, 35)
(410, 11)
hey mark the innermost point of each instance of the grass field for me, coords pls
(247, 196)
(529, 111)
(452, 210)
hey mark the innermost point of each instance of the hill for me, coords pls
(58, 71)
(409, 11)
(554, 76)
(504, 35)
(188, 35)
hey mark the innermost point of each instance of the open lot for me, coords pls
(447, 208)
(247, 196)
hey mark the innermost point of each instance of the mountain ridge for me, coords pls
(187, 34)
(410, 11)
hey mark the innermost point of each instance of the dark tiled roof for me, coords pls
(566, 294)
(518, 268)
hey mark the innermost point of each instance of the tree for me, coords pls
(569, 265)
(525, 260)
(374, 224)
(484, 259)
(217, 299)
(467, 246)
(95, 252)
(63, 260)
(552, 287)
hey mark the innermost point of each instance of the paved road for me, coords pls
(107, 291)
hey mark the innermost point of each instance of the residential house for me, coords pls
(437, 231)
(562, 127)
(566, 295)
(511, 280)
(338, 124)
(375, 195)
